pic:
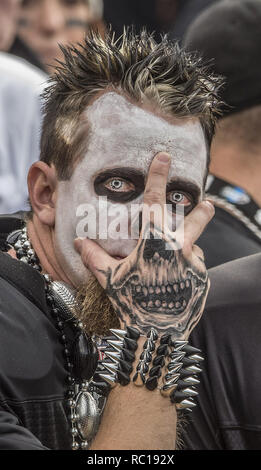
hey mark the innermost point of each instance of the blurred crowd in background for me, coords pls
(30, 34)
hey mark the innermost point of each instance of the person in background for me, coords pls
(20, 120)
(8, 16)
(229, 35)
(9, 41)
(187, 11)
(43, 25)
(159, 16)
(20, 114)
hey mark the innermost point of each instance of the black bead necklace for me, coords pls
(85, 404)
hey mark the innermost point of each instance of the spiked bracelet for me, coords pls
(152, 360)
(145, 358)
(174, 363)
(119, 353)
(181, 378)
(177, 362)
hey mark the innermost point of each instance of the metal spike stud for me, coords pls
(193, 369)
(167, 390)
(191, 350)
(190, 391)
(185, 404)
(116, 344)
(125, 367)
(152, 334)
(108, 338)
(184, 384)
(165, 339)
(146, 356)
(133, 333)
(123, 378)
(175, 366)
(119, 333)
(143, 367)
(159, 361)
(192, 380)
(196, 357)
(111, 367)
(109, 379)
(179, 395)
(155, 371)
(169, 376)
(174, 378)
(176, 357)
(151, 383)
(130, 344)
(127, 355)
(149, 345)
(162, 350)
(187, 361)
(179, 344)
(139, 379)
(114, 356)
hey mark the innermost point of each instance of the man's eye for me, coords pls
(119, 185)
(177, 197)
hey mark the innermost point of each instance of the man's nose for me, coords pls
(51, 17)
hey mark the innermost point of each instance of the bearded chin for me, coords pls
(95, 309)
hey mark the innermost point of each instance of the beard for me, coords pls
(95, 309)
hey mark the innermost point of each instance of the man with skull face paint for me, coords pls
(129, 121)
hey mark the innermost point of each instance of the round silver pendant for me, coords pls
(87, 415)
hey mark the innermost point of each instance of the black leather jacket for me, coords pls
(33, 404)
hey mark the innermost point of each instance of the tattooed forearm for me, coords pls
(159, 287)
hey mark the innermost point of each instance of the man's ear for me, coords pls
(42, 186)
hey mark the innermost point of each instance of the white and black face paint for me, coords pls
(123, 141)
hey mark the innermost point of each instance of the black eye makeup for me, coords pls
(177, 197)
(182, 193)
(119, 184)
(126, 184)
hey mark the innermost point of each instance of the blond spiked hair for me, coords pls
(175, 81)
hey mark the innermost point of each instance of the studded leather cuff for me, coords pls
(170, 366)
(119, 355)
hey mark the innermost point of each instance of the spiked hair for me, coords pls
(175, 81)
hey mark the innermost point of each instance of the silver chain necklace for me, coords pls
(86, 404)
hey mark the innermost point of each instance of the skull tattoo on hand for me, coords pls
(157, 286)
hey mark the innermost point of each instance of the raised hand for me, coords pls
(160, 284)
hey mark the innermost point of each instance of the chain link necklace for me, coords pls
(235, 212)
(85, 402)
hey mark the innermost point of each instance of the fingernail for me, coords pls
(210, 204)
(78, 244)
(163, 157)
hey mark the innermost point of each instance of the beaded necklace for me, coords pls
(85, 402)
